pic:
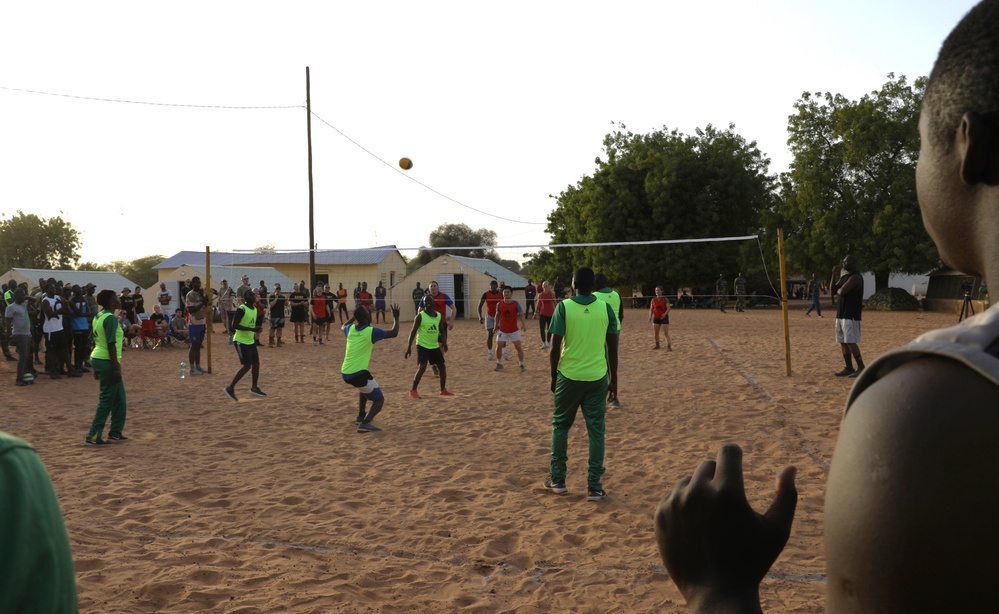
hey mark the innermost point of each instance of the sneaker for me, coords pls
(595, 494)
(446, 393)
(855, 373)
(358, 421)
(556, 487)
(117, 437)
(367, 427)
(669, 348)
(499, 367)
(614, 403)
(258, 392)
(320, 342)
(505, 355)
(413, 394)
(280, 343)
(522, 369)
(490, 355)
(437, 372)
(229, 392)
(94, 441)
(196, 371)
(845, 372)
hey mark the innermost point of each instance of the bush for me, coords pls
(892, 299)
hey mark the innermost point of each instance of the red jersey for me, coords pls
(491, 298)
(660, 307)
(319, 305)
(546, 304)
(508, 316)
(364, 299)
(441, 301)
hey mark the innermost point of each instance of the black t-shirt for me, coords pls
(139, 301)
(127, 303)
(277, 309)
(299, 310)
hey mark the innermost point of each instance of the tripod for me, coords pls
(966, 306)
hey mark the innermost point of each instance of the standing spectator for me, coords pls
(241, 292)
(318, 315)
(508, 314)
(721, 292)
(604, 292)
(127, 302)
(56, 356)
(559, 289)
(357, 292)
(530, 293)
(331, 301)
(341, 295)
(361, 338)
(659, 316)
(227, 305)
(364, 298)
(299, 302)
(140, 305)
(850, 290)
(197, 311)
(815, 292)
(79, 325)
(583, 371)
(740, 293)
(6, 298)
(418, 293)
(164, 298)
(185, 287)
(106, 359)
(546, 309)
(380, 294)
(426, 333)
(18, 328)
(276, 303)
(490, 298)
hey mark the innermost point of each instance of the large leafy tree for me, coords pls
(31, 242)
(851, 185)
(656, 186)
(140, 270)
(457, 235)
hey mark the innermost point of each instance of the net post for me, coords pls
(783, 299)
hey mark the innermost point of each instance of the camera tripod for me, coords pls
(966, 307)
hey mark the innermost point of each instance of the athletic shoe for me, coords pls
(196, 371)
(358, 421)
(437, 372)
(556, 487)
(94, 441)
(117, 437)
(522, 369)
(258, 392)
(845, 372)
(505, 355)
(499, 367)
(367, 427)
(669, 348)
(855, 373)
(595, 494)
(490, 355)
(614, 403)
(413, 394)
(229, 392)
(446, 393)
(320, 342)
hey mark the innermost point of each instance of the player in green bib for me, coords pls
(584, 333)
(106, 361)
(361, 338)
(426, 332)
(245, 326)
(604, 292)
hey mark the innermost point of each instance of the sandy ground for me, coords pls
(277, 504)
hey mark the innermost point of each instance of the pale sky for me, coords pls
(499, 105)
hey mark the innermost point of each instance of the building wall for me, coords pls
(443, 269)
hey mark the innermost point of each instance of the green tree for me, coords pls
(457, 235)
(140, 270)
(31, 242)
(661, 186)
(851, 186)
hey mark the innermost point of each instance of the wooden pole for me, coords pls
(312, 227)
(209, 310)
(783, 299)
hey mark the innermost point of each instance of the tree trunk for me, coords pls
(880, 280)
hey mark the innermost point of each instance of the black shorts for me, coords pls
(247, 353)
(662, 320)
(425, 355)
(318, 321)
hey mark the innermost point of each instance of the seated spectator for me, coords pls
(133, 332)
(159, 321)
(178, 325)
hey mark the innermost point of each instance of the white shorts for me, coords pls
(508, 337)
(847, 331)
(490, 322)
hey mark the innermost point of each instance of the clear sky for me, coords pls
(499, 105)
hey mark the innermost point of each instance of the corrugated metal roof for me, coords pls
(100, 279)
(234, 275)
(494, 270)
(372, 255)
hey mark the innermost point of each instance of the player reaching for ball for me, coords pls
(361, 338)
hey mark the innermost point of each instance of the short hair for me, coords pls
(964, 75)
(599, 280)
(582, 280)
(104, 298)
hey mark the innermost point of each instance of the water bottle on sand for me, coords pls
(183, 370)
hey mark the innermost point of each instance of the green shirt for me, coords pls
(583, 322)
(36, 566)
(427, 335)
(358, 353)
(249, 319)
(612, 298)
(106, 327)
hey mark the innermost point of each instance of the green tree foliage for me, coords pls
(656, 186)
(140, 270)
(851, 186)
(457, 235)
(31, 242)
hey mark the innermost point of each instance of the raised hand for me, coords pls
(716, 548)
(395, 312)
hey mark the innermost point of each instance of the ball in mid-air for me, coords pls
(405, 164)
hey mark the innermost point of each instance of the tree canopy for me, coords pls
(661, 185)
(140, 270)
(457, 235)
(31, 242)
(851, 187)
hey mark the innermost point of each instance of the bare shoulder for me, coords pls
(913, 493)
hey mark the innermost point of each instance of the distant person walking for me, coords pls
(721, 292)
(814, 291)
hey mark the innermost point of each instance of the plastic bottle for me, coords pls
(183, 370)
